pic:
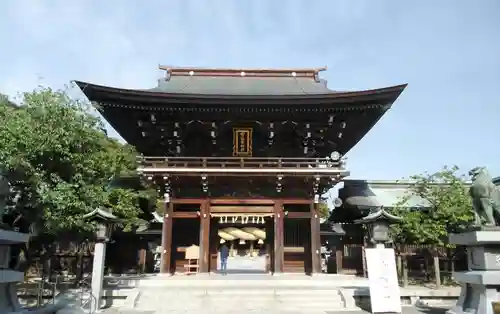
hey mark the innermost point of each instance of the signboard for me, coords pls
(242, 142)
(383, 280)
(192, 252)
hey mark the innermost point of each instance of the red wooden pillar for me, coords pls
(166, 239)
(205, 237)
(278, 237)
(315, 239)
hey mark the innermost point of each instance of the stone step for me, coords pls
(258, 281)
(250, 286)
(223, 298)
(240, 307)
(250, 296)
(281, 300)
(236, 292)
(221, 294)
(216, 299)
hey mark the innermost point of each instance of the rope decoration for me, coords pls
(246, 234)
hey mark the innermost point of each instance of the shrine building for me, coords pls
(241, 157)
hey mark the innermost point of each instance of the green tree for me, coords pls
(448, 208)
(323, 210)
(60, 163)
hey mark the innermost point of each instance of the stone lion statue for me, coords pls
(485, 197)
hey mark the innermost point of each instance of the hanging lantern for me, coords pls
(260, 241)
(242, 242)
(222, 241)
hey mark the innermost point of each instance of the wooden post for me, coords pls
(166, 238)
(405, 271)
(315, 239)
(205, 237)
(339, 257)
(399, 265)
(278, 237)
(363, 256)
(142, 260)
(437, 270)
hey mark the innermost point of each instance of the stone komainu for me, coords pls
(485, 197)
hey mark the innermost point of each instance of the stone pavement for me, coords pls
(245, 264)
(406, 310)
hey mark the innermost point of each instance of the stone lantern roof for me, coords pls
(100, 215)
(379, 215)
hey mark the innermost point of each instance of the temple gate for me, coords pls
(242, 156)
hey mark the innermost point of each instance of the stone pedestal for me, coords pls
(8, 277)
(98, 273)
(481, 283)
(9, 303)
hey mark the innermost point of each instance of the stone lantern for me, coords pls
(380, 262)
(104, 221)
(9, 278)
(378, 223)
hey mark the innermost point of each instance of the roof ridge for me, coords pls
(242, 72)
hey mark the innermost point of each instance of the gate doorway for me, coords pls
(249, 237)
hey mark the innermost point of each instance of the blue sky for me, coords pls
(447, 51)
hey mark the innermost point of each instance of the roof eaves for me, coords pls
(398, 89)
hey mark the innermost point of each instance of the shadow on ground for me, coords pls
(364, 305)
(432, 309)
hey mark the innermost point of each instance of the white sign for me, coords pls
(383, 280)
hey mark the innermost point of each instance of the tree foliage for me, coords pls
(60, 163)
(448, 208)
(324, 211)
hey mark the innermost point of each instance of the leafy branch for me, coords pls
(446, 208)
(59, 163)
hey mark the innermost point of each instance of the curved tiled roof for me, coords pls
(242, 95)
(218, 81)
(226, 85)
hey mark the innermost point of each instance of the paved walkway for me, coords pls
(245, 264)
(406, 310)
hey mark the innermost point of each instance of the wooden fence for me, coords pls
(418, 263)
